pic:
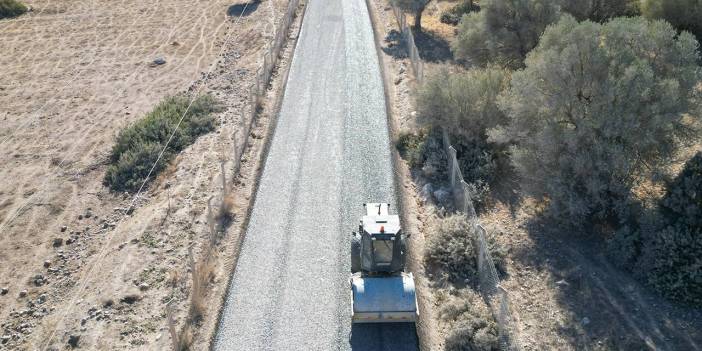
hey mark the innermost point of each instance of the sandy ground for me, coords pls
(73, 74)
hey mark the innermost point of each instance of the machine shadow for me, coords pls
(384, 337)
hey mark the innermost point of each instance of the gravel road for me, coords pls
(329, 155)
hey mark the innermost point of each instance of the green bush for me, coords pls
(503, 31)
(624, 247)
(411, 148)
(478, 164)
(138, 146)
(683, 14)
(11, 8)
(424, 151)
(473, 327)
(672, 260)
(452, 250)
(683, 199)
(664, 247)
(600, 10)
(453, 15)
(672, 256)
(465, 103)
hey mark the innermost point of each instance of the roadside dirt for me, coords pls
(74, 74)
(399, 84)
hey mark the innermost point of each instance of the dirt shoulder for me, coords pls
(74, 74)
(398, 86)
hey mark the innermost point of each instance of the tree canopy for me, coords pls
(597, 107)
(503, 31)
(600, 10)
(683, 14)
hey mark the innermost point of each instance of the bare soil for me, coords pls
(74, 74)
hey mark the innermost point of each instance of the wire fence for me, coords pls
(257, 90)
(408, 38)
(489, 281)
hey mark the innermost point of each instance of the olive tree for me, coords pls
(683, 14)
(416, 7)
(503, 31)
(672, 256)
(600, 10)
(598, 108)
(464, 102)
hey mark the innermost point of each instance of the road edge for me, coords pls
(280, 83)
(425, 326)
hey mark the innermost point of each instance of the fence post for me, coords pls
(224, 187)
(210, 221)
(172, 327)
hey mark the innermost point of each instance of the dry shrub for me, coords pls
(425, 151)
(452, 250)
(173, 278)
(202, 272)
(180, 341)
(472, 325)
(226, 211)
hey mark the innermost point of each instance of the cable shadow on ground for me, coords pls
(384, 337)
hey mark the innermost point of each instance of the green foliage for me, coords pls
(411, 148)
(598, 108)
(453, 15)
(463, 102)
(683, 200)
(479, 167)
(452, 250)
(424, 151)
(672, 257)
(504, 31)
(600, 10)
(672, 261)
(138, 146)
(473, 328)
(624, 247)
(683, 14)
(11, 8)
(411, 5)
(664, 248)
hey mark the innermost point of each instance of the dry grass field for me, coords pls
(75, 266)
